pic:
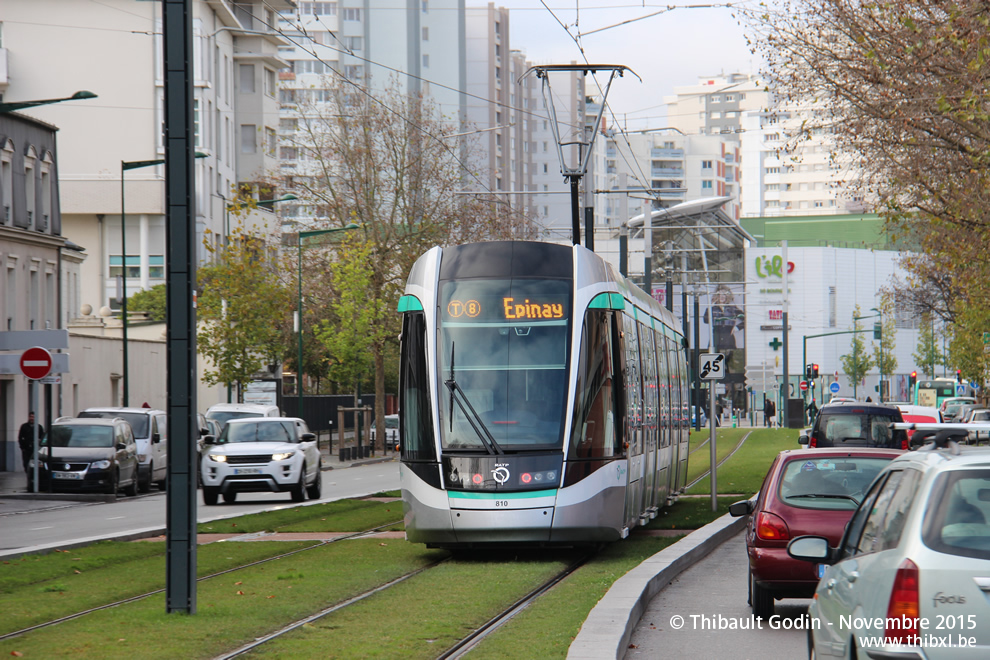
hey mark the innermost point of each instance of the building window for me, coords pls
(426, 34)
(354, 43)
(133, 266)
(30, 190)
(196, 122)
(46, 191)
(270, 141)
(706, 164)
(773, 170)
(426, 6)
(246, 81)
(156, 267)
(6, 182)
(318, 8)
(706, 185)
(426, 60)
(249, 138)
(498, 28)
(716, 99)
(270, 86)
(354, 72)
(729, 97)
(351, 14)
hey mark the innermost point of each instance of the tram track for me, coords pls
(463, 647)
(132, 599)
(704, 474)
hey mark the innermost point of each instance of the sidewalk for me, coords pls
(13, 485)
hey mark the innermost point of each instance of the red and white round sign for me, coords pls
(804, 385)
(36, 363)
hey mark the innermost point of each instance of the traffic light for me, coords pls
(814, 371)
(914, 378)
(958, 375)
(807, 372)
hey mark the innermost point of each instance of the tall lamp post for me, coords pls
(299, 243)
(124, 166)
(22, 105)
(879, 333)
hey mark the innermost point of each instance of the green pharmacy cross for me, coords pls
(776, 344)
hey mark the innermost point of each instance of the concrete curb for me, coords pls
(610, 625)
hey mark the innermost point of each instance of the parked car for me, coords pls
(950, 407)
(979, 416)
(150, 427)
(805, 491)
(273, 454)
(855, 424)
(912, 571)
(919, 415)
(224, 412)
(80, 455)
(391, 430)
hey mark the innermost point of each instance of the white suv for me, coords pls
(271, 454)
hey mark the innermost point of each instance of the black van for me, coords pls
(856, 424)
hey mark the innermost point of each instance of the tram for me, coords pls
(543, 398)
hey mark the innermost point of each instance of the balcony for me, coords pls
(667, 172)
(659, 152)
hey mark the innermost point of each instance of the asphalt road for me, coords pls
(708, 602)
(35, 524)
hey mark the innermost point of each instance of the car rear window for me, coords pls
(858, 428)
(138, 421)
(958, 511)
(836, 483)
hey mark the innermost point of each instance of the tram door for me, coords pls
(634, 420)
(668, 449)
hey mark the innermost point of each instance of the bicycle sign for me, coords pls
(712, 366)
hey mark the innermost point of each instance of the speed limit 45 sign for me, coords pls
(712, 366)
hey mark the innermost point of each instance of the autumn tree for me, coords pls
(242, 309)
(898, 88)
(858, 362)
(390, 163)
(150, 301)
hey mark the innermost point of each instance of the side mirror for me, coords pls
(156, 438)
(309, 437)
(810, 548)
(204, 431)
(803, 439)
(739, 509)
(209, 440)
(121, 446)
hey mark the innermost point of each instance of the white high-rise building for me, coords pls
(114, 49)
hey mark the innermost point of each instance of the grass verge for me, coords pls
(744, 472)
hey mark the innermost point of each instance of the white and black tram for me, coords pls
(543, 398)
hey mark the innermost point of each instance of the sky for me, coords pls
(672, 48)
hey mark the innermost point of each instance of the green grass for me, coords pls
(232, 609)
(691, 513)
(339, 516)
(744, 472)
(725, 441)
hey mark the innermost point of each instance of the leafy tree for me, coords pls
(151, 301)
(386, 163)
(242, 308)
(928, 353)
(858, 362)
(884, 355)
(898, 87)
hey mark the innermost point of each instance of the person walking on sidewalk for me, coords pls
(25, 438)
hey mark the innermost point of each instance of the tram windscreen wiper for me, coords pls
(472, 416)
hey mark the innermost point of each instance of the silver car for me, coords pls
(911, 576)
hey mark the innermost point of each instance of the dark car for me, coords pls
(89, 455)
(805, 492)
(856, 424)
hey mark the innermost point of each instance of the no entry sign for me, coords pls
(36, 363)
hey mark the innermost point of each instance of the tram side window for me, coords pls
(634, 387)
(417, 420)
(593, 429)
(663, 388)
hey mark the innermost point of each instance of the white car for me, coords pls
(910, 577)
(150, 428)
(268, 454)
(391, 431)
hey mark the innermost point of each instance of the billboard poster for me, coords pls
(723, 322)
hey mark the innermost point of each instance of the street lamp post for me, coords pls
(124, 166)
(882, 356)
(299, 243)
(22, 105)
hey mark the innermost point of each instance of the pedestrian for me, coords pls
(773, 413)
(812, 411)
(25, 438)
(869, 400)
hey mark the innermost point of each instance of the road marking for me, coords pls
(35, 529)
(116, 518)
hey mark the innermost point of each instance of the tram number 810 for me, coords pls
(501, 502)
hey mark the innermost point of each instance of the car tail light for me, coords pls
(905, 444)
(903, 605)
(771, 528)
(812, 442)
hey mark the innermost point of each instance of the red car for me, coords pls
(806, 491)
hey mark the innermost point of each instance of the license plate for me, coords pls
(67, 475)
(247, 471)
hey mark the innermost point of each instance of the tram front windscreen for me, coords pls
(503, 358)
